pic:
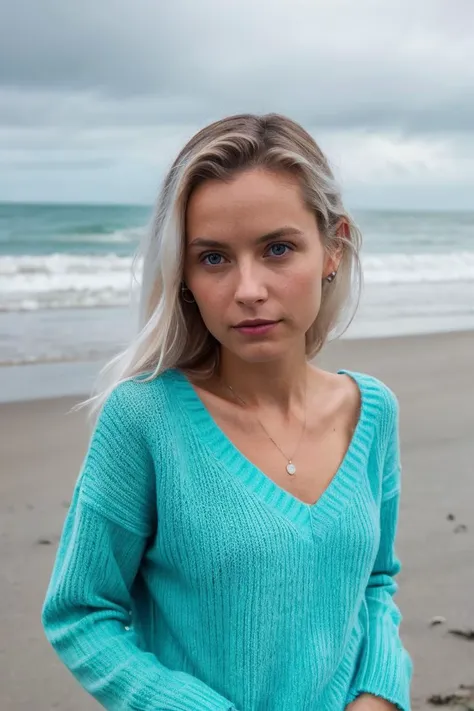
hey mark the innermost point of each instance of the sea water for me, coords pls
(65, 277)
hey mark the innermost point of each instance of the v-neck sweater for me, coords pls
(188, 580)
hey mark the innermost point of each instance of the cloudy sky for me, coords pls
(97, 96)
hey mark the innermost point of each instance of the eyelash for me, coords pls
(274, 244)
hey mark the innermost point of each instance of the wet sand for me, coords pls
(41, 449)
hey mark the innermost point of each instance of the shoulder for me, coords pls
(375, 392)
(133, 403)
(117, 477)
(380, 406)
(381, 419)
(140, 392)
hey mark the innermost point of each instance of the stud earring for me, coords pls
(184, 292)
(331, 277)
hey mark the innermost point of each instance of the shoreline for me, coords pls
(389, 307)
(42, 445)
(346, 336)
(74, 378)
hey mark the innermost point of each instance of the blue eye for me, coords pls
(212, 259)
(278, 249)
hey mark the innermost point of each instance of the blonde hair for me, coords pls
(171, 332)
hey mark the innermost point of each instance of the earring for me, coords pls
(331, 277)
(184, 291)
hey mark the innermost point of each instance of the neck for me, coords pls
(279, 383)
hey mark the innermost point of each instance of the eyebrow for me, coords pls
(275, 234)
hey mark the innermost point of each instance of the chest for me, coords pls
(316, 459)
(226, 505)
(302, 456)
(222, 522)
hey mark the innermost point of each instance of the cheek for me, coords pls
(212, 300)
(303, 291)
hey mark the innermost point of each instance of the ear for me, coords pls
(333, 259)
(343, 230)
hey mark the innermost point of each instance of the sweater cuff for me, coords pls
(387, 677)
(197, 696)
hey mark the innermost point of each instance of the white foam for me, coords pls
(66, 280)
(130, 235)
(418, 268)
(62, 281)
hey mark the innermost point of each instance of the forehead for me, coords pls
(256, 200)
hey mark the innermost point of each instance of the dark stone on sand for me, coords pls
(44, 541)
(438, 700)
(465, 634)
(463, 698)
(451, 517)
(461, 528)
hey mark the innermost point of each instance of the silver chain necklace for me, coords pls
(290, 467)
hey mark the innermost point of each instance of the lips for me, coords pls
(254, 323)
(257, 327)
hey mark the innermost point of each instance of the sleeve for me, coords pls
(385, 667)
(86, 613)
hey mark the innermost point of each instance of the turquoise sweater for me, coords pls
(187, 580)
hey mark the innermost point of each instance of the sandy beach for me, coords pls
(41, 449)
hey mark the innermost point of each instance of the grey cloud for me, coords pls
(116, 47)
(96, 98)
(378, 66)
(48, 164)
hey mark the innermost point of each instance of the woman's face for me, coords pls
(255, 263)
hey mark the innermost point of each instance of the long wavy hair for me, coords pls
(171, 333)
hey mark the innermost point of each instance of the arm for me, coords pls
(86, 614)
(382, 680)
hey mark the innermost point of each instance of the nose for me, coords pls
(250, 288)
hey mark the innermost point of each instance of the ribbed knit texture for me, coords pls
(187, 580)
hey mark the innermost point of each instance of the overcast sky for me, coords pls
(97, 96)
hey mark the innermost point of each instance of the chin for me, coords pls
(260, 352)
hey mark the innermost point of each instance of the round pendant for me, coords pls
(290, 468)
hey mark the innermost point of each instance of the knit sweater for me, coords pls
(188, 580)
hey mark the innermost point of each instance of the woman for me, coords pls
(230, 542)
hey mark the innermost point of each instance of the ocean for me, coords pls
(65, 275)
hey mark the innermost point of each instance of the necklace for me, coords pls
(290, 467)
